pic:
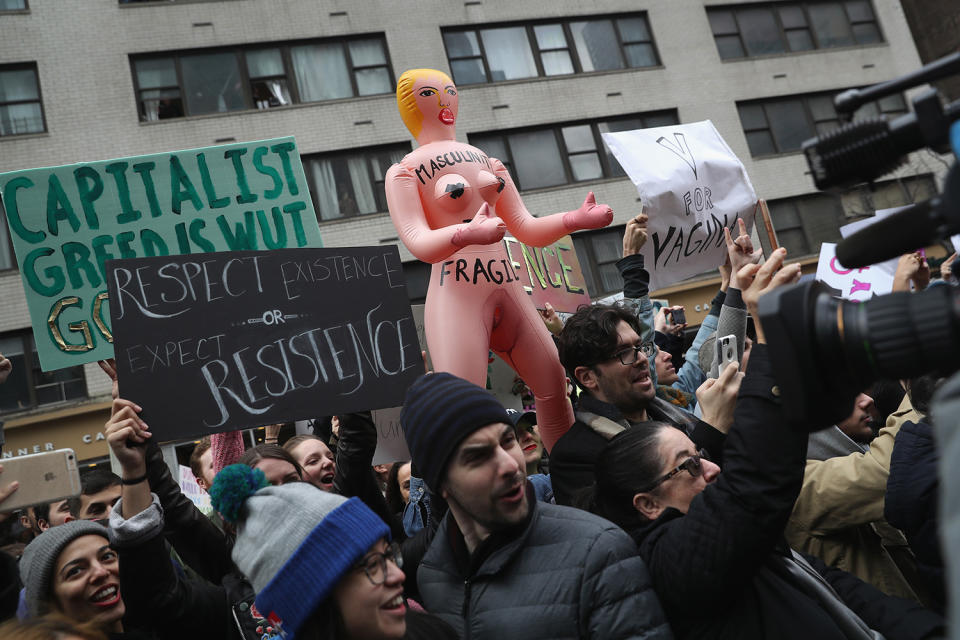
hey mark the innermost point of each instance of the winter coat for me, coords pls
(911, 503)
(722, 571)
(838, 516)
(574, 455)
(202, 546)
(563, 573)
(155, 595)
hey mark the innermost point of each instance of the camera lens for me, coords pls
(891, 337)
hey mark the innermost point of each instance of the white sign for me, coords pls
(854, 284)
(391, 445)
(692, 186)
(190, 488)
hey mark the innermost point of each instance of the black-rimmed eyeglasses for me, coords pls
(375, 564)
(691, 465)
(630, 355)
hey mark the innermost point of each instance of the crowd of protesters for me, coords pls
(678, 504)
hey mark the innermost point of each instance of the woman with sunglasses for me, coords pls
(713, 542)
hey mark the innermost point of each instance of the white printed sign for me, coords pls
(391, 445)
(854, 284)
(692, 186)
(190, 488)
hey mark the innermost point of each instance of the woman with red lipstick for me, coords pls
(451, 205)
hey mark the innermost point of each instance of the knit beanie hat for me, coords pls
(294, 541)
(440, 411)
(39, 560)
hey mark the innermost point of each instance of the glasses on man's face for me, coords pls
(630, 355)
(691, 465)
(375, 564)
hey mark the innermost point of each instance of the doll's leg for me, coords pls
(533, 356)
(458, 332)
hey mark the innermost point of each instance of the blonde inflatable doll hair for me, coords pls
(407, 102)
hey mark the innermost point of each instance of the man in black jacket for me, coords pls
(604, 352)
(499, 550)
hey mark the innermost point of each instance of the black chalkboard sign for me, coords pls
(221, 341)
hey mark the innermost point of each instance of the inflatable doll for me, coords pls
(451, 205)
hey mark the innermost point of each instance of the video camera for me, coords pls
(825, 351)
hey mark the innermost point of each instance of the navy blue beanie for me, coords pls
(440, 411)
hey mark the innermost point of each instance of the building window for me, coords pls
(786, 27)
(7, 260)
(803, 223)
(27, 385)
(181, 84)
(565, 153)
(13, 5)
(558, 47)
(350, 183)
(781, 125)
(21, 109)
(598, 253)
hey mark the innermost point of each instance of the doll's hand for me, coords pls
(485, 228)
(590, 215)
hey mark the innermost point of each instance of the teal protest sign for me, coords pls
(66, 222)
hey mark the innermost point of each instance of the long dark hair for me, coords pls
(252, 456)
(394, 495)
(628, 465)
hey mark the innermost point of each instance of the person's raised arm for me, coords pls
(544, 230)
(636, 279)
(127, 436)
(908, 266)
(194, 536)
(946, 268)
(425, 243)
(733, 525)
(733, 313)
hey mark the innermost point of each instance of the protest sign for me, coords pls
(853, 284)
(549, 274)
(67, 221)
(239, 339)
(190, 488)
(391, 445)
(692, 186)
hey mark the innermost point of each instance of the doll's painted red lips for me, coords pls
(446, 116)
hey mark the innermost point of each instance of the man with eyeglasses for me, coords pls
(601, 348)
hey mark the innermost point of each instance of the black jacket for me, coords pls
(202, 546)
(913, 489)
(574, 455)
(721, 570)
(354, 477)
(563, 573)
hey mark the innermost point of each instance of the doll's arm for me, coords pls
(410, 220)
(539, 232)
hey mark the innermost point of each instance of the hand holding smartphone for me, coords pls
(43, 477)
(727, 351)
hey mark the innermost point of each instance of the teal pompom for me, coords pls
(231, 488)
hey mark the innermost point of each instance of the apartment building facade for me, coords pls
(539, 82)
